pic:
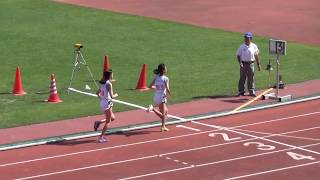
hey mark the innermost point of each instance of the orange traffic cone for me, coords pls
(106, 65)
(54, 97)
(142, 83)
(17, 88)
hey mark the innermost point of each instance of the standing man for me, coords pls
(247, 54)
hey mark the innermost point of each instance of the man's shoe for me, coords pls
(253, 95)
(240, 94)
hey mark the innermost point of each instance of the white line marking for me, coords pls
(102, 149)
(224, 136)
(224, 144)
(175, 160)
(153, 156)
(279, 119)
(151, 141)
(87, 167)
(161, 172)
(273, 170)
(217, 162)
(186, 127)
(269, 140)
(255, 155)
(277, 134)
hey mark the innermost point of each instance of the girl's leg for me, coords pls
(157, 112)
(108, 114)
(164, 111)
(97, 124)
(112, 116)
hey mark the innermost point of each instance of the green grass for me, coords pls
(39, 35)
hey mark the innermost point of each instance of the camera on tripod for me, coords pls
(78, 46)
(78, 61)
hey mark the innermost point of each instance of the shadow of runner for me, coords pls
(134, 133)
(71, 142)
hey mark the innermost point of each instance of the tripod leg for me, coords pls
(85, 63)
(76, 64)
(92, 77)
(72, 74)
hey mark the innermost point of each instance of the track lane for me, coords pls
(155, 148)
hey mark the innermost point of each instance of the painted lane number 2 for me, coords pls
(224, 136)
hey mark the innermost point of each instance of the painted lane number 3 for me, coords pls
(260, 146)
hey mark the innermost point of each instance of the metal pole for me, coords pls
(278, 63)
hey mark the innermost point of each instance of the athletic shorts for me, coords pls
(105, 105)
(159, 98)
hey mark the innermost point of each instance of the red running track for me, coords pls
(277, 143)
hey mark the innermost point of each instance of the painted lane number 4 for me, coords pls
(264, 147)
(261, 146)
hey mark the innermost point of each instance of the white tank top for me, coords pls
(160, 83)
(105, 91)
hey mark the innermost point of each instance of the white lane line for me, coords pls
(87, 167)
(154, 156)
(273, 170)
(175, 160)
(275, 120)
(186, 127)
(156, 173)
(145, 142)
(277, 134)
(225, 144)
(107, 148)
(214, 163)
(262, 138)
(255, 155)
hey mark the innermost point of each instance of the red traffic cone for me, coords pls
(54, 97)
(106, 65)
(142, 83)
(17, 88)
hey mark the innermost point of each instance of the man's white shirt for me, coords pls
(247, 53)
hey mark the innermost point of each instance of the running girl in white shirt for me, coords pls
(105, 94)
(161, 85)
